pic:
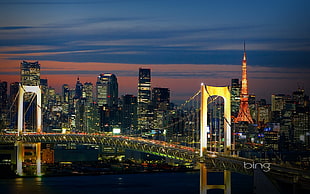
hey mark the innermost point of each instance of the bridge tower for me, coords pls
(20, 145)
(206, 93)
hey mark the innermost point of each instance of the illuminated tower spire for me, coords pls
(244, 111)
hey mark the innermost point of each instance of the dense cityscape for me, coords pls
(280, 129)
(272, 133)
(154, 97)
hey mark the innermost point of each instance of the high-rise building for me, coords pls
(14, 87)
(3, 104)
(235, 97)
(144, 100)
(44, 88)
(161, 106)
(88, 92)
(263, 115)
(65, 93)
(107, 100)
(278, 102)
(301, 117)
(3, 96)
(78, 89)
(161, 98)
(107, 90)
(129, 114)
(30, 73)
(244, 114)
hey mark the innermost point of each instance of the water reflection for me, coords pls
(33, 185)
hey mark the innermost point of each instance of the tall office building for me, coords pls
(3, 104)
(3, 96)
(301, 117)
(235, 97)
(278, 102)
(129, 114)
(107, 90)
(65, 93)
(244, 114)
(78, 89)
(88, 92)
(107, 100)
(30, 73)
(144, 100)
(14, 87)
(44, 88)
(161, 98)
(161, 105)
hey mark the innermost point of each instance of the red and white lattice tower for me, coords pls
(244, 111)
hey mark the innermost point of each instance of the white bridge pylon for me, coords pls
(206, 93)
(22, 90)
(20, 127)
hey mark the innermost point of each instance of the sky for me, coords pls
(183, 42)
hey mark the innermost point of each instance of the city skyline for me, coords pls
(183, 43)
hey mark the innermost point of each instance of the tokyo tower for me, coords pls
(244, 111)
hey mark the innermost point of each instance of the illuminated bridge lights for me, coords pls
(159, 148)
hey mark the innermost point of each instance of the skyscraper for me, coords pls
(129, 114)
(78, 89)
(14, 87)
(30, 73)
(244, 111)
(65, 93)
(144, 99)
(161, 104)
(235, 97)
(161, 98)
(107, 100)
(88, 92)
(107, 90)
(3, 96)
(3, 104)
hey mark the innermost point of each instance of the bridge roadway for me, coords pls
(212, 160)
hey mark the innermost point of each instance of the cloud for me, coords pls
(14, 27)
(44, 2)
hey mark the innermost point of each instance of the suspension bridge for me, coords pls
(212, 132)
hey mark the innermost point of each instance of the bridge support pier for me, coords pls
(204, 187)
(35, 150)
(35, 147)
(19, 159)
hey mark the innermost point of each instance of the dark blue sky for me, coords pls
(199, 32)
